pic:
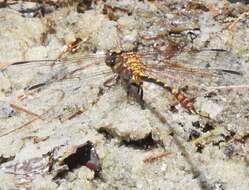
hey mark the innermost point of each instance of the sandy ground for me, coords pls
(159, 147)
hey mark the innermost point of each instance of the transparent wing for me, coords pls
(47, 89)
(34, 72)
(202, 71)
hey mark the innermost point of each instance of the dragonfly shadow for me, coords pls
(196, 172)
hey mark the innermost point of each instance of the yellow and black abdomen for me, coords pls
(180, 97)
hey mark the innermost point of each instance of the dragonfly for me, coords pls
(131, 69)
(202, 71)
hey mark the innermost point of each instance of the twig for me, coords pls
(232, 25)
(153, 158)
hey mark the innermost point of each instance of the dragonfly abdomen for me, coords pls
(180, 97)
(183, 100)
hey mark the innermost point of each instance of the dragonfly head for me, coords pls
(111, 58)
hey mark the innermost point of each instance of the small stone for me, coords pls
(6, 110)
(106, 37)
(85, 173)
(208, 107)
(164, 168)
(5, 84)
(229, 150)
(218, 186)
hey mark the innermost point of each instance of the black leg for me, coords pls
(140, 97)
(112, 81)
(136, 91)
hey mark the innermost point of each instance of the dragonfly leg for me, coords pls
(135, 91)
(173, 106)
(112, 81)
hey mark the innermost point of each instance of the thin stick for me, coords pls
(35, 118)
(20, 109)
(232, 25)
(153, 158)
(229, 87)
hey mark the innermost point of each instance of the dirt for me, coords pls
(49, 118)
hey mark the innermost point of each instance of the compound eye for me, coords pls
(111, 59)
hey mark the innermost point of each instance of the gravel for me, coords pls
(42, 116)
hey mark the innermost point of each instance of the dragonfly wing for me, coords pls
(224, 67)
(26, 74)
(219, 59)
(53, 89)
(200, 71)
